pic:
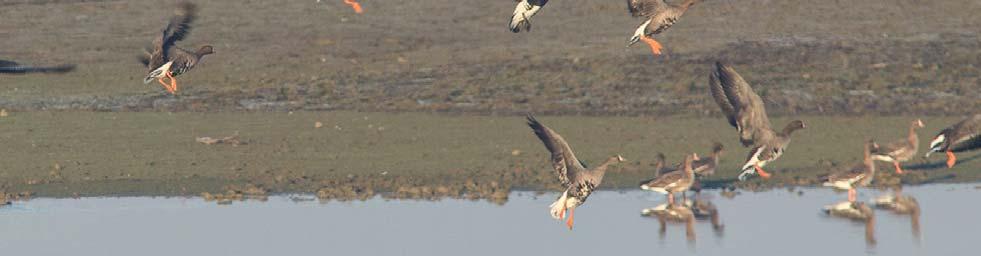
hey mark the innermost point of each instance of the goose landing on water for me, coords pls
(578, 181)
(902, 150)
(962, 136)
(744, 109)
(521, 19)
(165, 59)
(660, 16)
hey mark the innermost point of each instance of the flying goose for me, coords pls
(10, 67)
(660, 16)
(901, 150)
(165, 59)
(744, 109)
(859, 175)
(578, 181)
(962, 136)
(673, 182)
(521, 19)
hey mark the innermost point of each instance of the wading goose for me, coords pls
(578, 181)
(10, 67)
(673, 182)
(521, 19)
(859, 175)
(744, 109)
(660, 16)
(901, 150)
(166, 59)
(962, 136)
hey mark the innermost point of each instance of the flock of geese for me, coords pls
(743, 109)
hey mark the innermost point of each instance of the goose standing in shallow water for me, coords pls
(578, 181)
(901, 150)
(660, 16)
(521, 19)
(962, 136)
(860, 175)
(744, 109)
(166, 59)
(673, 182)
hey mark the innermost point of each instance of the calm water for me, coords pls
(772, 223)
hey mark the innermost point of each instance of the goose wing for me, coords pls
(645, 8)
(743, 107)
(567, 166)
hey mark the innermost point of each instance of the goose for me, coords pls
(165, 59)
(901, 150)
(521, 19)
(572, 173)
(702, 167)
(859, 175)
(660, 16)
(744, 110)
(669, 212)
(962, 136)
(673, 182)
(11, 67)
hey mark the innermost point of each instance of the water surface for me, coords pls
(777, 222)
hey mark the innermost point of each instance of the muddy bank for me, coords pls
(356, 155)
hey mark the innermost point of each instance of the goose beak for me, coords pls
(620, 158)
(920, 123)
(633, 40)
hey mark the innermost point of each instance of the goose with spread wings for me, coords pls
(660, 16)
(165, 59)
(744, 110)
(578, 181)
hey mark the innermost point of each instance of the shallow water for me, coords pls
(772, 223)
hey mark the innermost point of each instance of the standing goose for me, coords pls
(901, 150)
(962, 136)
(660, 16)
(859, 175)
(673, 182)
(744, 109)
(521, 19)
(166, 59)
(578, 181)
(706, 166)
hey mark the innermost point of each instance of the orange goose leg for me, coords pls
(762, 173)
(951, 159)
(851, 195)
(655, 46)
(354, 5)
(572, 213)
(173, 84)
(898, 169)
(165, 85)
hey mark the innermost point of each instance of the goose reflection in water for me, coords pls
(687, 212)
(858, 212)
(901, 205)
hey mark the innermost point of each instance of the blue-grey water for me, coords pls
(776, 222)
